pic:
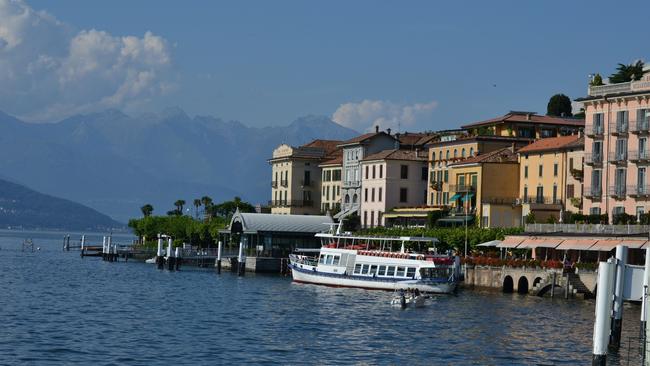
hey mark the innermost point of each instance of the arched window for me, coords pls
(471, 151)
(433, 156)
(455, 153)
(354, 198)
(447, 155)
(462, 153)
(347, 198)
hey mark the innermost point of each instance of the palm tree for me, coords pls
(179, 206)
(197, 204)
(627, 73)
(207, 203)
(146, 210)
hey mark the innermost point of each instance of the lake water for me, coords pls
(56, 308)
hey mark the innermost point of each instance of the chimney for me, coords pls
(528, 116)
(376, 128)
(388, 130)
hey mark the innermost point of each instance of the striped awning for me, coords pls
(605, 245)
(576, 244)
(511, 242)
(532, 243)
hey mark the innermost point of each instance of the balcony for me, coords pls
(640, 156)
(500, 200)
(618, 192)
(291, 203)
(618, 128)
(274, 184)
(594, 131)
(601, 90)
(618, 157)
(436, 186)
(638, 191)
(641, 128)
(594, 159)
(577, 174)
(306, 182)
(541, 200)
(284, 183)
(462, 188)
(593, 192)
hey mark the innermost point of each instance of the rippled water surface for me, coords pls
(56, 308)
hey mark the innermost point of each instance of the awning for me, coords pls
(468, 196)
(605, 245)
(455, 197)
(491, 243)
(633, 243)
(532, 243)
(576, 244)
(511, 242)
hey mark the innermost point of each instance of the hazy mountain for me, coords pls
(115, 163)
(23, 207)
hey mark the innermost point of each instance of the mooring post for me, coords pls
(114, 252)
(109, 247)
(553, 284)
(170, 260)
(104, 248)
(617, 321)
(241, 266)
(218, 264)
(159, 253)
(177, 257)
(603, 323)
(644, 305)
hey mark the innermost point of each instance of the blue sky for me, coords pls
(428, 65)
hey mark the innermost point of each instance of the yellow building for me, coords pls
(526, 125)
(551, 177)
(331, 184)
(485, 186)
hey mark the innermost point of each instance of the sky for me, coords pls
(416, 65)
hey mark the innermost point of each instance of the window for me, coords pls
(403, 193)
(621, 149)
(618, 210)
(555, 169)
(372, 218)
(643, 119)
(455, 153)
(541, 170)
(321, 260)
(525, 194)
(595, 180)
(594, 211)
(555, 194)
(570, 191)
(382, 271)
(410, 272)
(404, 172)
(540, 194)
(372, 195)
(462, 153)
(471, 151)
(337, 175)
(381, 171)
(570, 164)
(355, 198)
(621, 121)
(526, 171)
(379, 196)
(364, 269)
(400, 271)
(433, 156)
(447, 155)
(373, 171)
(373, 269)
(337, 260)
(619, 181)
(424, 173)
(365, 194)
(367, 167)
(390, 271)
(445, 198)
(640, 181)
(365, 218)
(329, 259)
(446, 176)
(598, 120)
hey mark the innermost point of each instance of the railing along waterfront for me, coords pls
(594, 159)
(587, 229)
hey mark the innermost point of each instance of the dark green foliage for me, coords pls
(644, 219)
(559, 105)
(352, 222)
(530, 218)
(625, 73)
(596, 81)
(184, 229)
(624, 219)
(147, 210)
(434, 216)
(450, 238)
(227, 208)
(578, 218)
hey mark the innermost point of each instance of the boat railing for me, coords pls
(300, 259)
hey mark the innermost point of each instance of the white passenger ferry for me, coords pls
(369, 262)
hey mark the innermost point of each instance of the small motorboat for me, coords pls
(406, 299)
(151, 260)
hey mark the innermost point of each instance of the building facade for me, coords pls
(354, 151)
(296, 177)
(551, 177)
(391, 179)
(617, 155)
(331, 184)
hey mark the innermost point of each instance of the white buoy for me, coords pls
(240, 256)
(617, 323)
(603, 323)
(177, 253)
(218, 263)
(159, 253)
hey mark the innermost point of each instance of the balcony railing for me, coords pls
(593, 192)
(618, 157)
(291, 203)
(351, 183)
(594, 130)
(618, 128)
(435, 185)
(638, 191)
(594, 159)
(462, 188)
(610, 89)
(641, 127)
(617, 192)
(639, 156)
(500, 200)
(274, 184)
(284, 183)
(541, 200)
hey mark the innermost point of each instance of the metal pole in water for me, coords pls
(159, 253)
(240, 258)
(169, 254)
(219, 257)
(83, 242)
(617, 322)
(104, 247)
(177, 258)
(603, 323)
(109, 247)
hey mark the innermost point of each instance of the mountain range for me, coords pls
(115, 163)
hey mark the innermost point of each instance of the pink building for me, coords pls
(617, 155)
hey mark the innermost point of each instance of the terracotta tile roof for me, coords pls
(363, 138)
(504, 155)
(528, 117)
(410, 138)
(554, 143)
(396, 154)
(328, 145)
(335, 158)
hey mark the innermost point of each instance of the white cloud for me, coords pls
(48, 70)
(365, 115)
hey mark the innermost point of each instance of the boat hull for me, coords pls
(313, 277)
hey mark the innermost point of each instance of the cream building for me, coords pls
(551, 177)
(331, 184)
(296, 177)
(391, 179)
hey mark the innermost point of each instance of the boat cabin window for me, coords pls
(321, 260)
(357, 268)
(435, 272)
(337, 259)
(400, 272)
(329, 259)
(410, 272)
(391, 271)
(373, 269)
(382, 271)
(365, 268)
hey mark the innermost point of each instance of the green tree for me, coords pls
(207, 204)
(179, 205)
(197, 204)
(226, 208)
(559, 105)
(596, 81)
(146, 210)
(625, 73)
